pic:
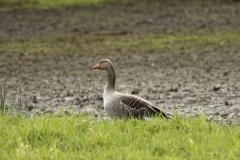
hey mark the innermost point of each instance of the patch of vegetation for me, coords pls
(111, 44)
(3, 93)
(80, 137)
(9, 5)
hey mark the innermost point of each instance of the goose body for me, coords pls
(120, 105)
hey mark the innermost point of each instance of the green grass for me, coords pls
(79, 137)
(104, 44)
(9, 5)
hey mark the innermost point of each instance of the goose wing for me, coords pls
(138, 107)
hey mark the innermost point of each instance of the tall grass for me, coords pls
(3, 93)
(80, 137)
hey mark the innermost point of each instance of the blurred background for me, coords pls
(180, 55)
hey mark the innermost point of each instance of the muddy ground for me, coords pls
(184, 83)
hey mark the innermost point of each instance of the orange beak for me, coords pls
(96, 66)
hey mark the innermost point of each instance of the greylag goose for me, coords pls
(119, 105)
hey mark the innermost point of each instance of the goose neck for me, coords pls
(111, 78)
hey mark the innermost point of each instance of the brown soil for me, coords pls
(185, 83)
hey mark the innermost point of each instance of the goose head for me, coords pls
(103, 65)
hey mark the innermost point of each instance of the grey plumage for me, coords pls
(119, 105)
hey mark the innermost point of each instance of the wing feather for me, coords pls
(138, 107)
